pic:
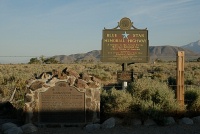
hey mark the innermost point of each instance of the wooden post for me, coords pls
(180, 78)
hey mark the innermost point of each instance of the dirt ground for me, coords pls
(173, 129)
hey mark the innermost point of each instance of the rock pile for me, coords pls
(112, 122)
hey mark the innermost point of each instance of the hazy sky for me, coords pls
(64, 27)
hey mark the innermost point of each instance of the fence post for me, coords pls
(180, 78)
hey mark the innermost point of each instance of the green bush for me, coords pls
(152, 98)
(34, 61)
(198, 60)
(115, 101)
(192, 99)
(145, 97)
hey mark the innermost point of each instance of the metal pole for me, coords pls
(124, 83)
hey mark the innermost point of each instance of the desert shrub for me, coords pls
(198, 59)
(5, 92)
(152, 98)
(50, 61)
(34, 61)
(158, 69)
(115, 101)
(101, 74)
(192, 99)
(159, 76)
(172, 82)
(146, 97)
(189, 82)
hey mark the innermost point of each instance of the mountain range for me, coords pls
(166, 53)
(194, 46)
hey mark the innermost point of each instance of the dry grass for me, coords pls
(14, 76)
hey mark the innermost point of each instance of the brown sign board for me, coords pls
(62, 104)
(125, 76)
(125, 45)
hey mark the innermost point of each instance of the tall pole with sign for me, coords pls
(125, 44)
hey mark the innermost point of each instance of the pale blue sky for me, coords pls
(64, 27)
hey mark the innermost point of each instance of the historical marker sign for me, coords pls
(125, 45)
(124, 76)
(62, 104)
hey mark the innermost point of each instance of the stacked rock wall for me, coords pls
(83, 83)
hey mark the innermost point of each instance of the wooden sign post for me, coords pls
(180, 78)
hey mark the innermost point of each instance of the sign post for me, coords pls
(124, 68)
(125, 44)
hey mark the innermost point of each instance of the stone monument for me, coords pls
(65, 98)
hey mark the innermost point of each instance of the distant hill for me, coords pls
(194, 46)
(166, 53)
(92, 56)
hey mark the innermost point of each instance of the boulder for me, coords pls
(85, 77)
(92, 127)
(92, 85)
(196, 119)
(169, 121)
(118, 121)
(109, 123)
(70, 72)
(35, 85)
(186, 121)
(11, 128)
(7, 126)
(136, 122)
(81, 84)
(29, 128)
(149, 122)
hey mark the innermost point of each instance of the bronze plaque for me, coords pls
(125, 76)
(125, 46)
(62, 104)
